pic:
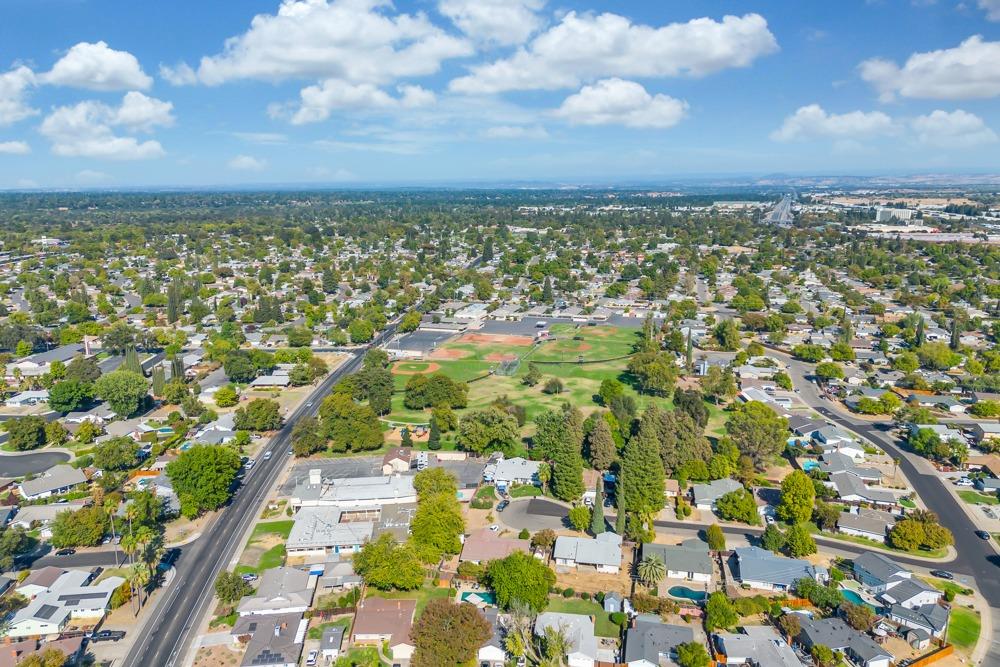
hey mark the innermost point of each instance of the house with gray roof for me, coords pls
(837, 635)
(757, 645)
(759, 568)
(581, 644)
(330, 642)
(868, 523)
(689, 560)
(834, 462)
(878, 573)
(493, 652)
(911, 593)
(706, 495)
(507, 472)
(56, 480)
(603, 553)
(650, 641)
(318, 531)
(851, 489)
(271, 641)
(931, 618)
(282, 590)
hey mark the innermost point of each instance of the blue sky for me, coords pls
(353, 92)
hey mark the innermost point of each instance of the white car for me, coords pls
(965, 481)
(267, 455)
(495, 528)
(311, 660)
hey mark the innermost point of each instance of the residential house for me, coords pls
(67, 598)
(581, 643)
(330, 643)
(650, 641)
(759, 568)
(756, 646)
(38, 364)
(397, 460)
(485, 545)
(318, 531)
(15, 653)
(493, 651)
(380, 621)
(850, 489)
(271, 641)
(56, 480)
(689, 560)
(931, 618)
(706, 495)
(505, 473)
(28, 398)
(868, 523)
(834, 633)
(604, 552)
(878, 573)
(282, 590)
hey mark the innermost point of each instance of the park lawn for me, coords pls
(281, 528)
(963, 627)
(599, 342)
(976, 498)
(603, 627)
(422, 595)
(316, 632)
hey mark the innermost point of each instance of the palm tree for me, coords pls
(651, 569)
(138, 578)
(895, 465)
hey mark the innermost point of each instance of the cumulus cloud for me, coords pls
(503, 22)
(619, 102)
(349, 40)
(247, 163)
(180, 74)
(413, 97)
(812, 122)
(14, 84)
(316, 103)
(583, 47)
(992, 9)
(14, 148)
(966, 71)
(98, 67)
(88, 129)
(516, 132)
(955, 129)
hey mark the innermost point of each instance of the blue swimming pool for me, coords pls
(686, 593)
(810, 465)
(853, 597)
(486, 596)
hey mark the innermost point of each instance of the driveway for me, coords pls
(19, 465)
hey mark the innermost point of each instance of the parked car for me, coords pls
(311, 659)
(503, 505)
(982, 534)
(66, 552)
(168, 559)
(964, 481)
(249, 464)
(942, 574)
(107, 635)
(249, 577)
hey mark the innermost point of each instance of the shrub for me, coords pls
(619, 619)
(568, 593)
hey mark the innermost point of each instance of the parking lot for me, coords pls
(468, 472)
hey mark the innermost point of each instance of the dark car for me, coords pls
(942, 574)
(108, 636)
(503, 505)
(168, 559)
(982, 534)
(66, 552)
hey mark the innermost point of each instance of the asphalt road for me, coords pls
(81, 559)
(14, 465)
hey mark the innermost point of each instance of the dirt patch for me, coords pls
(601, 332)
(431, 367)
(497, 356)
(217, 656)
(484, 340)
(449, 353)
(396, 435)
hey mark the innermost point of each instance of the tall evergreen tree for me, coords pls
(689, 354)
(173, 303)
(601, 445)
(547, 290)
(177, 368)
(159, 380)
(434, 437)
(597, 516)
(619, 509)
(132, 362)
(919, 337)
(642, 485)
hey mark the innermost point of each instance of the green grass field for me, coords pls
(281, 528)
(603, 627)
(963, 627)
(316, 632)
(976, 498)
(272, 558)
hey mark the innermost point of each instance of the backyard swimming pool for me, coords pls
(854, 598)
(686, 593)
(809, 465)
(485, 596)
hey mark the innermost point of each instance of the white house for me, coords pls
(604, 552)
(581, 649)
(68, 597)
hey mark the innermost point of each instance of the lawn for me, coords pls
(936, 553)
(316, 632)
(945, 585)
(422, 595)
(963, 627)
(976, 498)
(486, 493)
(603, 627)
(524, 491)
(359, 657)
(272, 558)
(281, 528)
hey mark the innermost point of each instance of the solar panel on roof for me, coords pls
(46, 611)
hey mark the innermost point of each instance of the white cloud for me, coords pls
(619, 102)
(955, 129)
(14, 148)
(247, 163)
(503, 22)
(319, 101)
(98, 67)
(584, 47)
(350, 40)
(968, 70)
(516, 132)
(413, 97)
(87, 129)
(992, 9)
(180, 74)
(261, 137)
(812, 122)
(13, 85)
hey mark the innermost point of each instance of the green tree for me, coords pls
(361, 331)
(739, 506)
(797, 496)
(12, 542)
(203, 477)
(239, 368)
(230, 587)
(823, 656)
(123, 391)
(610, 388)
(306, 437)
(56, 434)
(579, 517)
(520, 578)
(226, 397)
(533, 376)
(597, 515)
(386, 564)
(641, 487)
(798, 541)
(25, 433)
(601, 446)
(446, 633)
(829, 370)
(692, 654)
(758, 432)
(83, 369)
(437, 523)
(69, 395)
(260, 414)
(727, 335)
(719, 383)
(720, 613)
(489, 430)
(116, 454)
(715, 537)
(651, 570)
(773, 539)
(858, 616)
(655, 373)
(83, 528)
